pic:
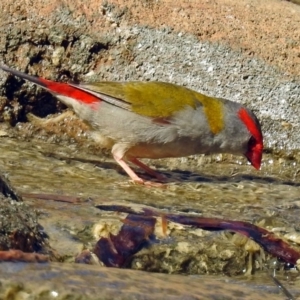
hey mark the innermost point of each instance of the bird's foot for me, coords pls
(148, 183)
(135, 178)
(157, 175)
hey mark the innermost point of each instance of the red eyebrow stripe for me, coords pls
(250, 124)
(69, 91)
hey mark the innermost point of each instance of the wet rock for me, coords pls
(19, 227)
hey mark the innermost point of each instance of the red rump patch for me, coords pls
(251, 125)
(69, 91)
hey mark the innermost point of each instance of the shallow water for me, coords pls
(219, 186)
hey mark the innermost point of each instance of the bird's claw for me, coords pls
(147, 183)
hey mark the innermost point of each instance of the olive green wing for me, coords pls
(151, 99)
(159, 100)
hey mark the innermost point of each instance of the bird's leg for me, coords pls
(147, 169)
(128, 170)
(119, 154)
(135, 178)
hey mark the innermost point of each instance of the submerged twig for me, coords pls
(266, 239)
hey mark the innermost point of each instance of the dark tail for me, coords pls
(33, 79)
(57, 88)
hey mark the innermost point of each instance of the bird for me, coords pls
(156, 119)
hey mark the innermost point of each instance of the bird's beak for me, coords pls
(254, 156)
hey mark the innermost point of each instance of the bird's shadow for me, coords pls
(180, 176)
(188, 176)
